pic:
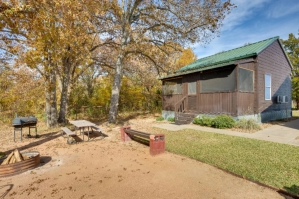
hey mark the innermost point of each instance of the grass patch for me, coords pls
(295, 113)
(2, 154)
(248, 124)
(270, 163)
(159, 119)
(171, 119)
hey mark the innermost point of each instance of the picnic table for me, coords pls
(82, 124)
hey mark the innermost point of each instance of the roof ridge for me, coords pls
(277, 37)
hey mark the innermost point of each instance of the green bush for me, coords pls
(249, 124)
(223, 122)
(171, 119)
(197, 121)
(159, 119)
(204, 121)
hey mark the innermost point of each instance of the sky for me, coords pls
(253, 21)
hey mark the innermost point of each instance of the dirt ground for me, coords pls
(108, 168)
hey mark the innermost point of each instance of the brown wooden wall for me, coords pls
(274, 62)
(217, 103)
(169, 101)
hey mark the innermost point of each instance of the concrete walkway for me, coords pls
(285, 133)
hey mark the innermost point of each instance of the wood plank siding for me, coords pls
(169, 101)
(273, 61)
(217, 103)
(245, 104)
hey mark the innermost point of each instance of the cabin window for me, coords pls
(267, 87)
(218, 81)
(191, 88)
(245, 80)
(173, 86)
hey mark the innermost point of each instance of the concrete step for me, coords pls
(179, 122)
(187, 115)
(183, 120)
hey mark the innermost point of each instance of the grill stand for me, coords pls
(20, 129)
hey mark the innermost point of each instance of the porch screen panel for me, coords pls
(245, 80)
(218, 81)
(191, 88)
(173, 86)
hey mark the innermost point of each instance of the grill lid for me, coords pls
(21, 121)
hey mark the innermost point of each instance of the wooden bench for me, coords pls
(156, 141)
(69, 133)
(96, 128)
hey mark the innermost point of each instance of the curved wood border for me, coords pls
(19, 167)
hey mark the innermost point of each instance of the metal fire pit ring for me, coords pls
(19, 167)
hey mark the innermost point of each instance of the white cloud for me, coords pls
(243, 12)
(283, 8)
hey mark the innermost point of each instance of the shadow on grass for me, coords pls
(293, 190)
(8, 187)
(42, 139)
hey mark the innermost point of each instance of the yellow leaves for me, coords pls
(186, 58)
(23, 87)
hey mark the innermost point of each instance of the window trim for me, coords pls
(268, 86)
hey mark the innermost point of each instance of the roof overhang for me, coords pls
(198, 70)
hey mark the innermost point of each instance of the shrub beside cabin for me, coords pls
(252, 81)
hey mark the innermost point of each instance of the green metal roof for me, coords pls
(225, 58)
(230, 55)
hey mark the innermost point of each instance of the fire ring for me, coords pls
(19, 167)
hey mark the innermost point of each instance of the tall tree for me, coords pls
(56, 40)
(137, 25)
(186, 58)
(291, 46)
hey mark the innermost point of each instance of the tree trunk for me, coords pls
(116, 89)
(51, 101)
(117, 79)
(64, 91)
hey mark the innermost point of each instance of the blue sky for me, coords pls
(252, 21)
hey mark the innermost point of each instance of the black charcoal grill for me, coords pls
(21, 122)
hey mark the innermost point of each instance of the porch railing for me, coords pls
(180, 106)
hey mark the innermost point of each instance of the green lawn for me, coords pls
(295, 113)
(270, 163)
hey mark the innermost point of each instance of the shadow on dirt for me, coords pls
(41, 140)
(6, 189)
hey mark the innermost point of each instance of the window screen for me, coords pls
(192, 88)
(245, 80)
(267, 87)
(216, 81)
(172, 87)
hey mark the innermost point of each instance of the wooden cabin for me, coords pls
(252, 81)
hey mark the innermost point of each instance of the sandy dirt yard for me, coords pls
(106, 167)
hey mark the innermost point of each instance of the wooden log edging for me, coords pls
(19, 167)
